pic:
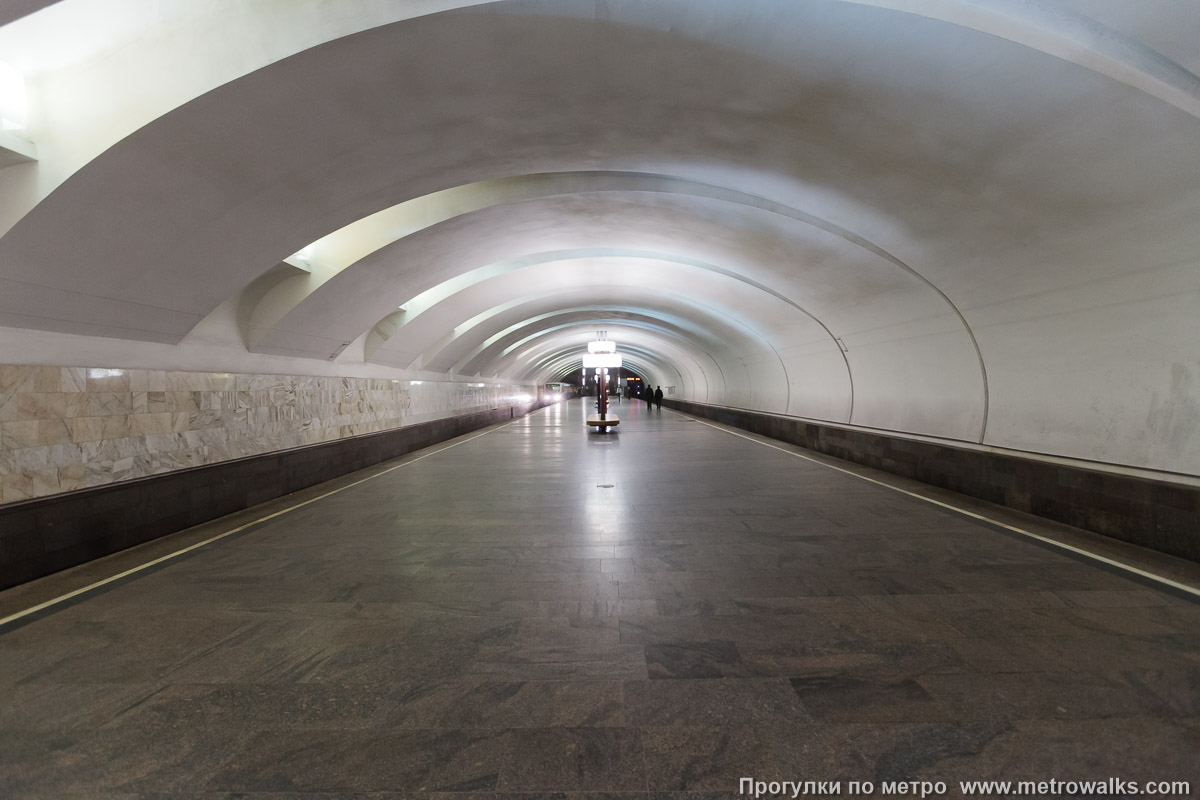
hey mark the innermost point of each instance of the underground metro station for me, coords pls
(599, 399)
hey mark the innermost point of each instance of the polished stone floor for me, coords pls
(649, 614)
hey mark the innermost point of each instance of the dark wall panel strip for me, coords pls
(1158, 515)
(48, 534)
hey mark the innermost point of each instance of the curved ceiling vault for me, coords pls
(971, 219)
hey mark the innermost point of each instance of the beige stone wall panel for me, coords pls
(69, 428)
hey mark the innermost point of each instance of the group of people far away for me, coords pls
(653, 398)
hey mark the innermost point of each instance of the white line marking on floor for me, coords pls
(134, 570)
(1087, 553)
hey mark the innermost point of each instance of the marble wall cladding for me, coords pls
(67, 428)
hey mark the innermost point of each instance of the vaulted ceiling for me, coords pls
(969, 219)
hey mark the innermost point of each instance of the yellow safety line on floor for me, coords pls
(1087, 553)
(134, 570)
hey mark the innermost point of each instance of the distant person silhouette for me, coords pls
(658, 397)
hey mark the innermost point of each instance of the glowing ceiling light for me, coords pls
(601, 353)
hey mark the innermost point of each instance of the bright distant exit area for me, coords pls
(576, 400)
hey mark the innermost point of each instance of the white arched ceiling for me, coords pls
(561, 327)
(972, 219)
(705, 336)
(162, 56)
(838, 288)
(655, 345)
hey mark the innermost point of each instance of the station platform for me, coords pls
(533, 609)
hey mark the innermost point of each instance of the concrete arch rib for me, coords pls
(644, 362)
(341, 249)
(712, 323)
(683, 343)
(529, 331)
(567, 361)
(655, 346)
(629, 330)
(580, 315)
(633, 335)
(685, 349)
(662, 363)
(394, 324)
(630, 337)
(442, 338)
(136, 42)
(1058, 31)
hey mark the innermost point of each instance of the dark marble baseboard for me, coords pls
(44, 535)
(1158, 515)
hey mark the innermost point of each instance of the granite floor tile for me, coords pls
(1042, 695)
(798, 605)
(544, 614)
(883, 626)
(344, 761)
(43, 706)
(713, 758)
(256, 705)
(1177, 689)
(576, 759)
(129, 758)
(583, 632)
(553, 663)
(1139, 621)
(838, 697)
(697, 607)
(904, 751)
(992, 623)
(580, 589)
(746, 630)
(1130, 598)
(707, 702)
(933, 605)
(482, 703)
(381, 663)
(707, 659)
(1132, 748)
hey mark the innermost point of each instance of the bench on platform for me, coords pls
(603, 421)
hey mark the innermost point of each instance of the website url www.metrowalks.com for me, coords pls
(751, 787)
